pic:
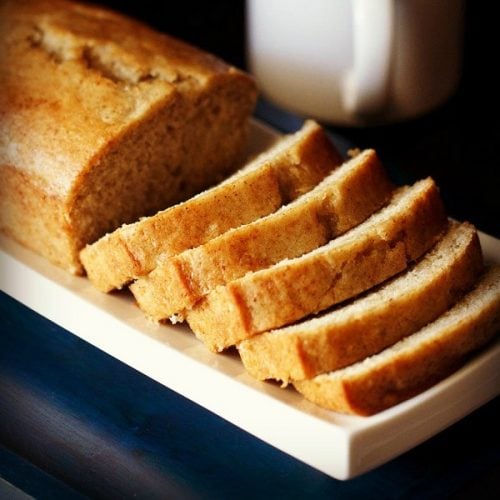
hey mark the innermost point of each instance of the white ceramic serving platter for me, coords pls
(341, 446)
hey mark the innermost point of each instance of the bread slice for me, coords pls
(363, 257)
(103, 120)
(344, 199)
(294, 165)
(416, 362)
(377, 320)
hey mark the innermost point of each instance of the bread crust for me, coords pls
(418, 362)
(299, 163)
(377, 249)
(372, 323)
(344, 199)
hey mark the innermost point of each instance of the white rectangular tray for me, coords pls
(339, 445)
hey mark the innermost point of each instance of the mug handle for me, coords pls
(366, 85)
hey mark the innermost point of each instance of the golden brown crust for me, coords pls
(95, 105)
(348, 196)
(366, 326)
(374, 251)
(20, 197)
(252, 193)
(408, 369)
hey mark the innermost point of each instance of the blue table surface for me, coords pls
(76, 422)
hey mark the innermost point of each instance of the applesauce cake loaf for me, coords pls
(377, 249)
(103, 120)
(292, 166)
(373, 322)
(415, 363)
(342, 200)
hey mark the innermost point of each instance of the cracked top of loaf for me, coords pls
(79, 75)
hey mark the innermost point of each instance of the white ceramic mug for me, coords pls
(356, 62)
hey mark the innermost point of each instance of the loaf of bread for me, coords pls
(118, 152)
(294, 165)
(377, 249)
(416, 362)
(369, 324)
(103, 120)
(344, 199)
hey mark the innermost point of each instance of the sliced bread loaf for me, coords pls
(344, 199)
(363, 257)
(416, 362)
(291, 167)
(379, 319)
